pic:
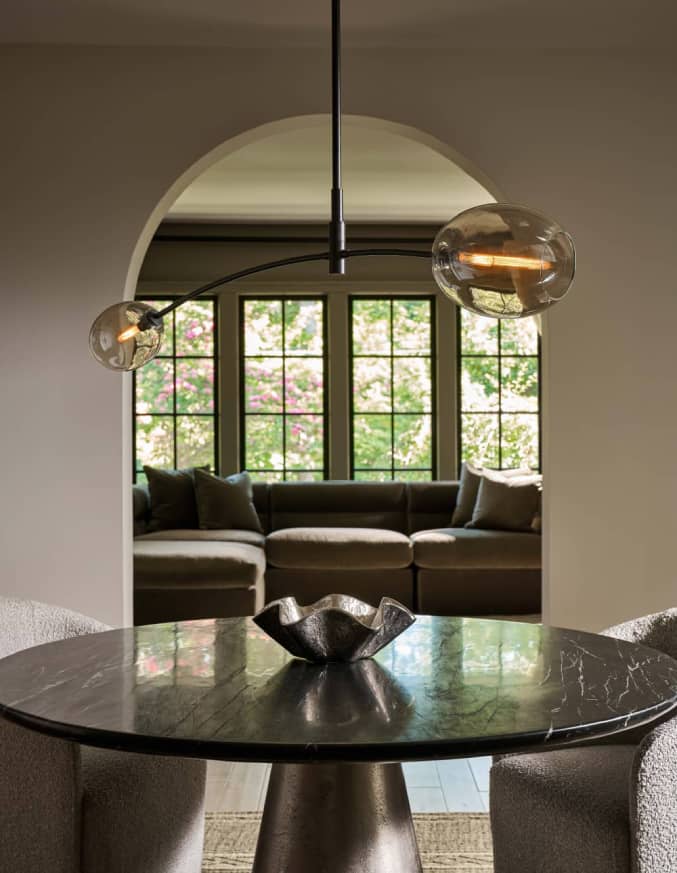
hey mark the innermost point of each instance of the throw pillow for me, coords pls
(226, 503)
(508, 504)
(467, 494)
(172, 499)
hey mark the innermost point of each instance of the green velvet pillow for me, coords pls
(172, 499)
(226, 503)
(508, 504)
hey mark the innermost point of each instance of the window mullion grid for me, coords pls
(392, 391)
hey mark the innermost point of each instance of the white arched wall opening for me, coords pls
(100, 135)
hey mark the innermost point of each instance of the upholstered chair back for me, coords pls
(26, 623)
(659, 631)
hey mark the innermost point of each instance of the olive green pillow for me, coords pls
(226, 503)
(172, 499)
(510, 504)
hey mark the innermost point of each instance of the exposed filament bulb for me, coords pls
(517, 262)
(128, 333)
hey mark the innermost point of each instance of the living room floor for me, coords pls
(460, 785)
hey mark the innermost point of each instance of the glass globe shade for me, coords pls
(120, 340)
(503, 261)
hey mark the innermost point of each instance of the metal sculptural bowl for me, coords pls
(336, 628)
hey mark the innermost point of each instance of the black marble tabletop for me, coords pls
(447, 687)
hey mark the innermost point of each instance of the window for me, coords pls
(392, 393)
(499, 391)
(283, 369)
(175, 409)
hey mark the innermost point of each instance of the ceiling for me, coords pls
(448, 24)
(285, 176)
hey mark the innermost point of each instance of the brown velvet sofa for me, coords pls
(368, 539)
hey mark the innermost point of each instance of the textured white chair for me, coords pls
(71, 809)
(604, 808)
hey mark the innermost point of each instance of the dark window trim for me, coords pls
(393, 469)
(283, 299)
(498, 412)
(215, 357)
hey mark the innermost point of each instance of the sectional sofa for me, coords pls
(368, 539)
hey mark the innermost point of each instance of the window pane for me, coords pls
(195, 385)
(155, 387)
(371, 384)
(479, 439)
(304, 442)
(519, 384)
(519, 336)
(372, 475)
(413, 385)
(479, 384)
(304, 385)
(263, 385)
(195, 328)
(155, 441)
(413, 475)
(479, 335)
(520, 441)
(372, 444)
(263, 327)
(182, 386)
(264, 448)
(371, 327)
(289, 381)
(412, 332)
(304, 327)
(266, 475)
(304, 476)
(413, 441)
(195, 441)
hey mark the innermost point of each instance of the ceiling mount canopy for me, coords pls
(497, 259)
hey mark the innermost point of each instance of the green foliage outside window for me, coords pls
(175, 398)
(392, 388)
(499, 391)
(283, 380)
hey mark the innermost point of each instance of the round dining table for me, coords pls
(336, 733)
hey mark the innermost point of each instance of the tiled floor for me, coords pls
(434, 786)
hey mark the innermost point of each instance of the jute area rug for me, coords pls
(450, 842)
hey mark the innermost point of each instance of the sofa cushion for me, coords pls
(141, 501)
(167, 563)
(206, 536)
(469, 485)
(343, 548)
(429, 504)
(339, 504)
(225, 502)
(172, 498)
(451, 548)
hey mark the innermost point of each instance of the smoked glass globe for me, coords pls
(503, 261)
(126, 335)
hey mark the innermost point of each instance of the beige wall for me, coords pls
(95, 138)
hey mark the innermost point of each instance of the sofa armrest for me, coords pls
(653, 801)
(39, 802)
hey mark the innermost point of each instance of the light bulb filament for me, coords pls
(518, 262)
(128, 333)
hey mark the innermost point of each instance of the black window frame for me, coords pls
(460, 412)
(242, 357)
(215, 357)
(432, 357)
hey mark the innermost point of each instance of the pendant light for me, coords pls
(499, 260)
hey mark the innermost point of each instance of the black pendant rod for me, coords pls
(337, 227)
(285, 262)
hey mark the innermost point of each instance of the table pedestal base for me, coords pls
(337, 818)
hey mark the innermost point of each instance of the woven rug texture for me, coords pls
(451, 842)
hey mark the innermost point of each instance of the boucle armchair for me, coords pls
(71, 809)
(608, 808)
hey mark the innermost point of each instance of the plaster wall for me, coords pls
(96, 138)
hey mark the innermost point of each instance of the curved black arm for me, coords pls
(285, 262)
